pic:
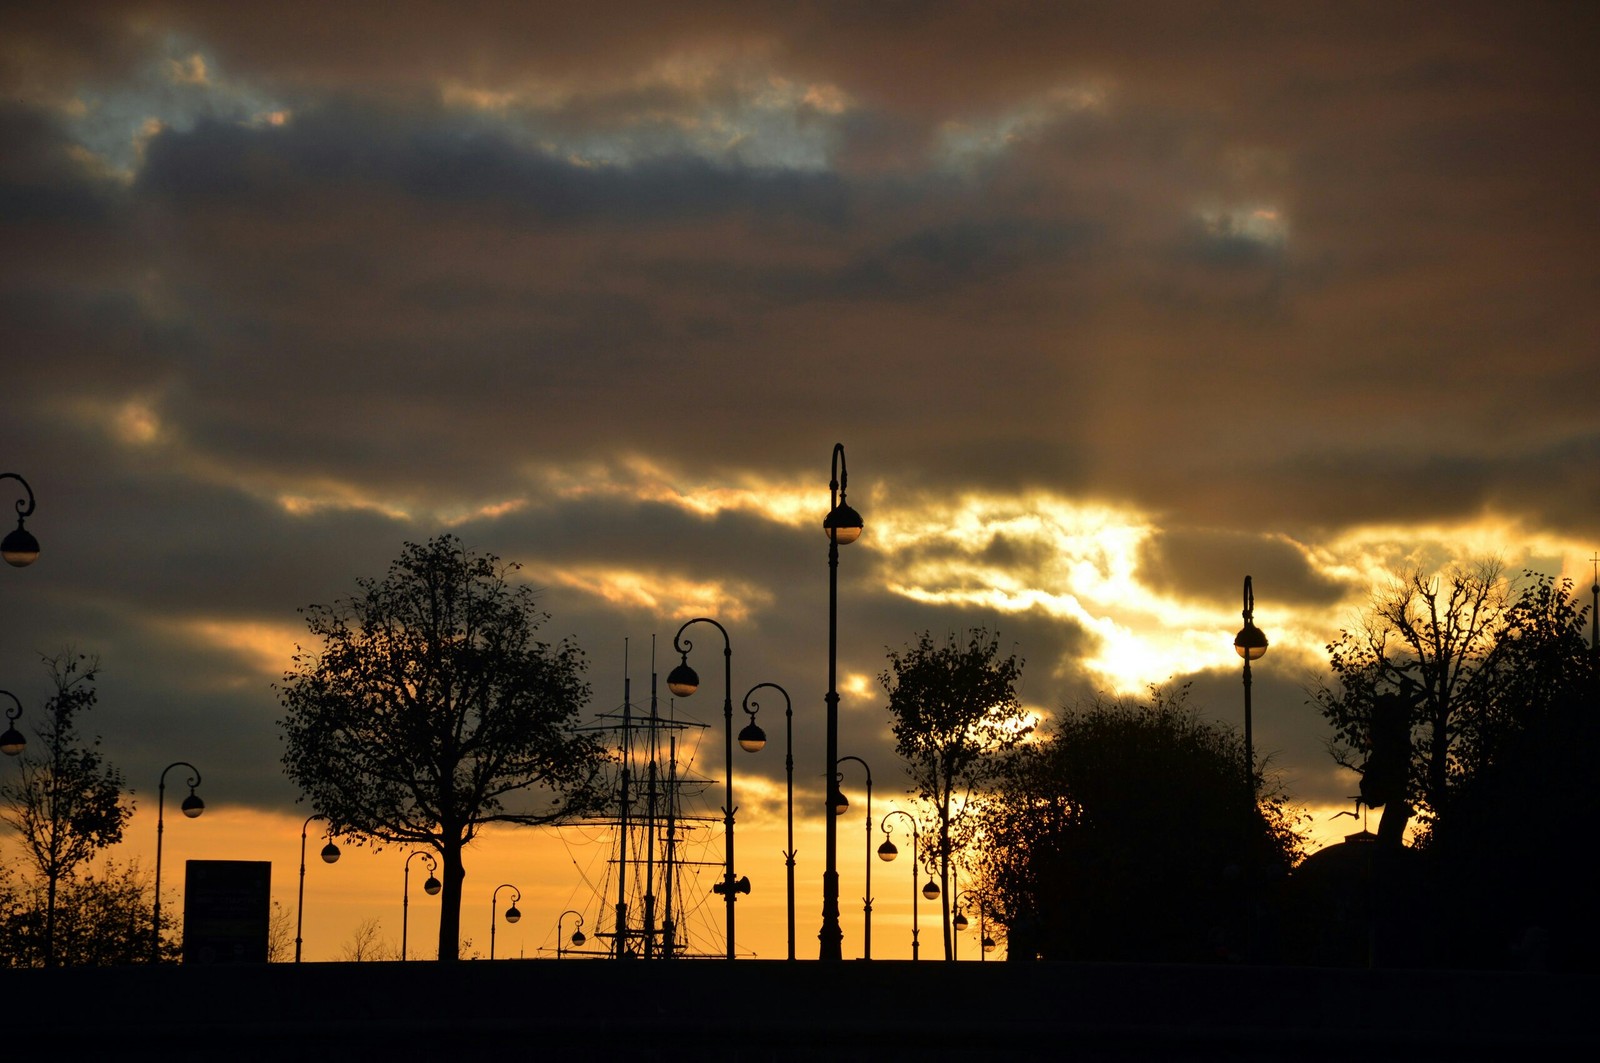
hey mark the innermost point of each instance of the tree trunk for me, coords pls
(50, 921)
(1439, 757)
(454, 874)
(944, 872)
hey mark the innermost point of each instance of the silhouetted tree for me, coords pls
(430, 710)
(1493, 694)
(955, 708)
(1122, 835)
(102, 919)
(1539, 662)
(366, 944)
(1421, 650)
(280, 935)
(65, 801)
(1501, 859)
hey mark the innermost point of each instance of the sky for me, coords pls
(1110, 304)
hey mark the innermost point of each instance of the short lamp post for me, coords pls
(513, 913)
(887, 852)
(330, 855)
(431, 887)
(840, 806)
(192, 807)
(12, 742)
(1251, 644)
(578, 937)
(751, 708)
(19, 548)
(684, 681)
(842, 526)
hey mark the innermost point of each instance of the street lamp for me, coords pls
(842, 526)
(788, 768)
(887, 852)
(752, 739)
(19, 547)
(1250, 643)
(577, 935)
(960, 922)
(192, 807)
(839, 808)
(430, 887)
(330, 855)
(12, 742)
(684, 681)
(512, 913)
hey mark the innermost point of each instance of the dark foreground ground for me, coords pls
(771, 1010)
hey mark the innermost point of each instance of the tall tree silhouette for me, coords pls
(1500, 859)
(65, 801)
(430, 710)
(954, 707)
(1421, 651)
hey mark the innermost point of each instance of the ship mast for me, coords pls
(650, 819)
(654, 785)
(622, 833)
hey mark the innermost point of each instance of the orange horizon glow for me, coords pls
(554, 869)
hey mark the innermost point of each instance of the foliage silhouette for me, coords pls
(1125, 835)
(1539, 665)
(1423, 647)
(1497, 695)
(955, 708)
(431, 710)
(1501, 860)
(102, 919)
(65, 802)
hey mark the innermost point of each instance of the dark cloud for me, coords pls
(1200, 564)
(433, 159)
(39, 182)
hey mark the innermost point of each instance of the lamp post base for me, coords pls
(831, 935)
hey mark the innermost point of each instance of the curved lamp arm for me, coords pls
(578, 936)
(684, 680)
(12, 741)
(884, 824)
(19, 547)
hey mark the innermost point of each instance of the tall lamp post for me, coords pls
(887, 852)
(431, 887)
(330, 855)
(578, 937)
(19, 547)
(192, 807)
(750, 707)
(1250, 643)
(684, 681)
(841, 805)
(12, 742)
(513, 913)
(842, 526)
